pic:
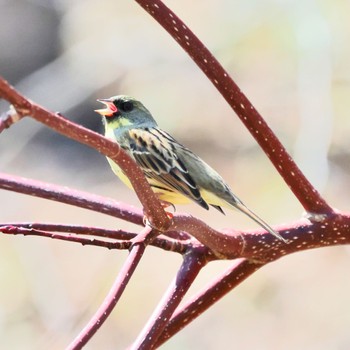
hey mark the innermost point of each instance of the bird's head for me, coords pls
(125, 111)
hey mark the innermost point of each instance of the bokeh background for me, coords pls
(291, 58)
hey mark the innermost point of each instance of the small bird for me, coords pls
(175, 173)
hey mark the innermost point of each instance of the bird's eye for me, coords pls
(127, 106)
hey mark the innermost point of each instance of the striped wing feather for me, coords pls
(155, 151)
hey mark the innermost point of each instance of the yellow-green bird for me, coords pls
(174, 172)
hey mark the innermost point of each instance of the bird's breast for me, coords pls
(119, 172)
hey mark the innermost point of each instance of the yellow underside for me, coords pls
(168, 196)
(210, 198)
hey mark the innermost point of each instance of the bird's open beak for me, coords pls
(110, 107)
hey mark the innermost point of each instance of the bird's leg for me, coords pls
(168, 204)
(164, 205)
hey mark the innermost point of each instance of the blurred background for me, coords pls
(290, 58)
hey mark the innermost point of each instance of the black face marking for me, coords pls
(126, 106)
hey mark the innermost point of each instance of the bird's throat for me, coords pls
(118, 123)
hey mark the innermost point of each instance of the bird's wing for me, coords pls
(155, 152)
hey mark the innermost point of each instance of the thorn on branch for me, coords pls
(8, 118)
(315, 217)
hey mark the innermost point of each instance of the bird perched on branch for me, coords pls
(174, 173)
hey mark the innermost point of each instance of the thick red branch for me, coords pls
(191, 266)
(251, 118)
(257, 248)
(263, 247)
(152, 206)
(225, 244)
(231, 278)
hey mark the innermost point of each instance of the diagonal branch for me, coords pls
(251, 118)
(228, 280)
(193, 262)
(152, 206)
(332, 229)
(112, 298)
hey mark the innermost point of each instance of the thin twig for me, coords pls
(13, 230)
(111, 299)
(72, 232)
(76, 229)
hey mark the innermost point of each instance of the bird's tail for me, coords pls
(240, 206)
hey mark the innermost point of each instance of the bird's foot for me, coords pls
(166, 205)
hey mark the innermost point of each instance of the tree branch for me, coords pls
(193, 262)
(122, 239)
(71, 196)
(307, 195)
(112, 298)
(225, 244)
(151, 204)
(262, 247)
(231, 278)
(15, 230)
(255, 247)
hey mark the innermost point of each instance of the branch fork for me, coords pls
(195, 240)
